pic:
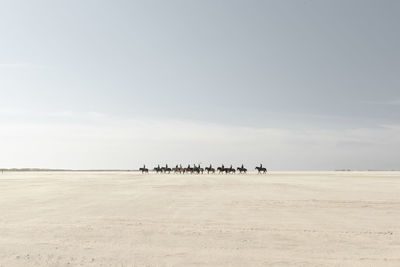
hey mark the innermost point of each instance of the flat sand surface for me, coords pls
(129, 219)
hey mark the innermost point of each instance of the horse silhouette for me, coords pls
(198, 169)
(210, 169)
(231, 170)
(178, 169)
(222, 169)
(188, 169)
(166, 169)
(157, 169)
(261, 169)
(242, 169)
(144, 169)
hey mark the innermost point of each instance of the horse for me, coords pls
(166, 169)
(210, 169)
(222, 169)
(188, 169)
(242, 169)
(261, 169)
(231, 170)
(158, 169)
(198, 169)
(144, 169)
(177, 169)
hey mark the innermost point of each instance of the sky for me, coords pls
(295, 85)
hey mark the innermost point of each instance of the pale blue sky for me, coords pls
(321, 78)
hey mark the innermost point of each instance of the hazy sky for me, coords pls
(296, 85)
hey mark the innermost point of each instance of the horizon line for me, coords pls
(137, 170)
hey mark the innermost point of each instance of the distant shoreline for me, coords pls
(60, 170)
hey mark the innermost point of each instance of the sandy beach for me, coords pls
(130, 219)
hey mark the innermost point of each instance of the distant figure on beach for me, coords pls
(231, 169)
(242, 169)
(166, 169)
(210, 169)
(178, 169)
(261, 169)
(222, 169)
(144, 169)
(157, 169)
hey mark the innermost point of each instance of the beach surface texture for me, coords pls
(132, 219)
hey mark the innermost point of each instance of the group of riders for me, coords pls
(197, 169)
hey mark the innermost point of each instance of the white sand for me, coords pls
(128, 219)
